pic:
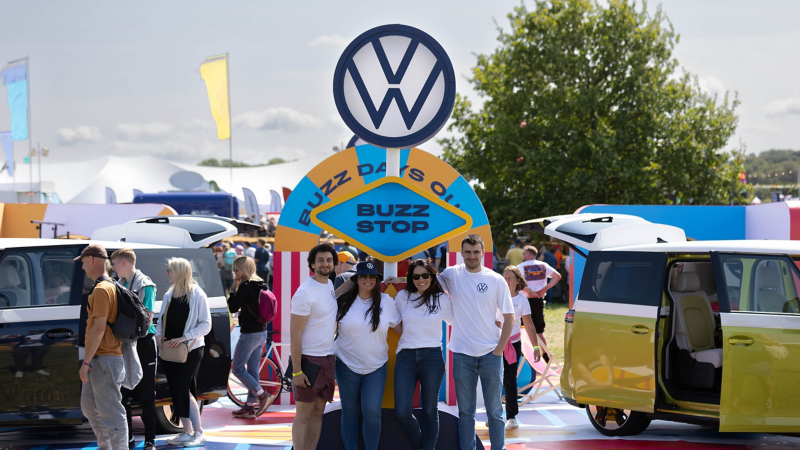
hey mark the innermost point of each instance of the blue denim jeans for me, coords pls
(246, 359)
(361, 395)
(427, 366)
(466, 370)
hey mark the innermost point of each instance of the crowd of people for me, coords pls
(340, 321)
(339, 325)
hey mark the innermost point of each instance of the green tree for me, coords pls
(582, 104)
(276, 161)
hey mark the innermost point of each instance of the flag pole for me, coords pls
(30, 128)
(230, 127)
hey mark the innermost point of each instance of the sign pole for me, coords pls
(392, 170)
(230, 128)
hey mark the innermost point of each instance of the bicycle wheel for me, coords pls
(270, 380)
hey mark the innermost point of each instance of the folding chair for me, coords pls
(549, 373)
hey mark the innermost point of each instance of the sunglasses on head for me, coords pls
(424, 276)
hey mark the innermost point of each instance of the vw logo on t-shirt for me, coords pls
(482, 287)
(394, 86)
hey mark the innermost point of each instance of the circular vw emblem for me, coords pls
(370, 266)
(394, 86)
(482, 287)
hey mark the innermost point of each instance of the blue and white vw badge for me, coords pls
(394, 86)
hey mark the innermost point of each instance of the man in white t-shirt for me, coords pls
(537, 273)
(313, 323)
(477, 293)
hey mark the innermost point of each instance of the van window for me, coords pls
(36, 277)
(761, 283)
(633, 278)
(153, 263)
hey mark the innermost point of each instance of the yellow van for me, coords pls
(687, 331)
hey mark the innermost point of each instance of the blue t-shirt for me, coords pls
(550, 259)
(262, 255)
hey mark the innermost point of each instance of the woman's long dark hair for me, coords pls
(345, 301)
(431, 295)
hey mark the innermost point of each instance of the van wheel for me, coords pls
(617, 422)
(167, 422)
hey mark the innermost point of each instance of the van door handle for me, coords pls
(639, 329)
(743, 341)
(58, 333)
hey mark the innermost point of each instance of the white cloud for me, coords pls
(712, 85)
(787, 107)
(143, 131)
(69, 136)
(332, 40)
(279, 119)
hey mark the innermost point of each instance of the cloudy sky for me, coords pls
(111, 78)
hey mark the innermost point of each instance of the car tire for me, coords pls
(617, 422)
(166, 422)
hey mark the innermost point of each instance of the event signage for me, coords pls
(392, 219)
(394, 86)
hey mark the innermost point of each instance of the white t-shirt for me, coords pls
(317, 301)
(521, 308)
(476, 297)
(361, 349)
(536, 274)
(251, 252)
(421, 328)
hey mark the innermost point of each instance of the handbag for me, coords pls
(177, 354)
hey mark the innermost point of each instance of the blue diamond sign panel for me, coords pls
(394, 86)
(392, 219)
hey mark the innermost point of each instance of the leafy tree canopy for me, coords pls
(214, 162)
(773, 170)
(582, 104)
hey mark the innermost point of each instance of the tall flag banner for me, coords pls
(111, 197)
(15, 77)
(251, 205)
(275, 205)
(8, 149)
(215, 73)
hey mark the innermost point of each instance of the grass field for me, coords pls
(554, 331)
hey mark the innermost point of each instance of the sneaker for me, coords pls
(42, 372)
(197, 440)
(180, 439)
(264, 400)
(18, 374)
(512, 424)
(246, 412)
(149, 446)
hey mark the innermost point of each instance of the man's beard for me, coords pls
(324, 271)
(472, 266)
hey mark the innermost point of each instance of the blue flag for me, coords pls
(15, 77)
(8, 149)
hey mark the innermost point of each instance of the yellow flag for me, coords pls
(215, 73)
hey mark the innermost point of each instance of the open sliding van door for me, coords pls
(760, 316)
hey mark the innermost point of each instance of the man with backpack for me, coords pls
(103, 368)
(123, 261)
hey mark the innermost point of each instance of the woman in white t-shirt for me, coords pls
(513, 351)
(363, 319)
(422, 305)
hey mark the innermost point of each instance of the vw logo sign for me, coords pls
(370, 266)
(482, 287)
(394, 86)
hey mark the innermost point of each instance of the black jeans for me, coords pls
(510, 382)
(145, 391)
(182, 381)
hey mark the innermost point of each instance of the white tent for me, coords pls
(86, 181)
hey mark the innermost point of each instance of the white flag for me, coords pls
(251, 205)
(275, 205)
(111, 198)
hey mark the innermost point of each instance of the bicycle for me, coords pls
(271, 375)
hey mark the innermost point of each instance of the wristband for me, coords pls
(87, 364)
(536, 348)
(297, 374)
